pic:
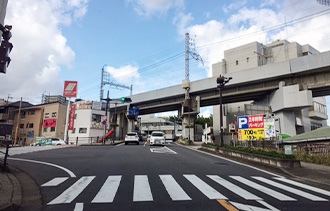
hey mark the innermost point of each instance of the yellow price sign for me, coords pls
(251, 134)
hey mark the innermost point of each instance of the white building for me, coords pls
(87, 122)
(296, 111)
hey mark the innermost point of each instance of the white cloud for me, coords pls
(167, 114)
(234, 6)
(152, 7)
(39, 46)
(126, 74)
(206, 112)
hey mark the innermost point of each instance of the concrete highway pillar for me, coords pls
(190, 110)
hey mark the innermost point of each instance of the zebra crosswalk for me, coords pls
(142, 192)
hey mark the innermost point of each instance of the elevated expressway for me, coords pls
(309, 72)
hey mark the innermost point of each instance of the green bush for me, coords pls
(274, 154)
(210, 145)
(323, 159)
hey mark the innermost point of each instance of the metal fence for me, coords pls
(278, 145)
(90, 141)
(314, 148)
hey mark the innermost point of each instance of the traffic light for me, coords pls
(5, 48)
(126, 99)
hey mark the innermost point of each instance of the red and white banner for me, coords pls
(49, 123)
(71, 119)
(70, 89)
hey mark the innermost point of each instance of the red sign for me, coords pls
(70, 89)
(71, 119)
(49, 123)
(256, 121)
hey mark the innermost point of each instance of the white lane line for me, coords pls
(207, 190)
(173, 188)
(108, 191)
(292, 190)
(79, 207)
(264, 189)
(234, 188)
(308, 187)
(72, 192)
(45, 163)
(55, 182)
(142, 191)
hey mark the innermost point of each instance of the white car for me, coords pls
(157, 137)
(132, 137)
(58, 141)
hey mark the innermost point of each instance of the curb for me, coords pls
(10, 192)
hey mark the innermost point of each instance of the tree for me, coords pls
(202, 120)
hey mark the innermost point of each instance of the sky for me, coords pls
(142, 42)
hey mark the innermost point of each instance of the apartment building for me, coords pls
(44, 120)
(300, 113)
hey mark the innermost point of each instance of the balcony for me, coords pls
(317, 115)
(4, 116)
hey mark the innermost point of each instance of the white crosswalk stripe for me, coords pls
(264, 189)
(108, 190)
(291, 190)
(173, 188)
(142, 191)
(207, 190)
(72, 192)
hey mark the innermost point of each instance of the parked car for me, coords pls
(132, 137)
(157, 137)
(58, 141)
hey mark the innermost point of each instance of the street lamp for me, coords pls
(221, 81)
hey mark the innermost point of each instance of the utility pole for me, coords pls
(106, 114)
(18, 122)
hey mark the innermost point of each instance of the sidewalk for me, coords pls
(313, 174)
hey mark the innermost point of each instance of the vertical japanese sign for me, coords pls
(70, 89)
(72, 114)
(270, 128)
(251, 127)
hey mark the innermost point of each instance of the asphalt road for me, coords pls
(134, 177)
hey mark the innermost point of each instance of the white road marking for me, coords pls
(45, 163)
(72, 192)
(108, 190)
(55, 182)
(292, 190)
(173, 188)
(162, 150)
(246, 207)
(142, 191)
(268, 205)
(79, 207)
(234, 188)
(308, 187)
(207, 190)
(264, 189)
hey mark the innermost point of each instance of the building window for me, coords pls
(83, 130)
(45, 130)
(31, 125)
(52, 129)
(74, 130)
(46, 115)
(21, 126)
(315, 125)
(247, 60)
(236, 62)
(75, 116)
(33, 112)
(23, 115)
(54, 114)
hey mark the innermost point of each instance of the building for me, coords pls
(44, 120)
(296, 111)
(87, 124)
(150, 123)
(7, 116)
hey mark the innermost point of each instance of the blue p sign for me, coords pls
(243, 122)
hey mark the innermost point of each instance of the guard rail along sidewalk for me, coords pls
(277, 162)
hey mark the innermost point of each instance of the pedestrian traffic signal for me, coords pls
(126, 99)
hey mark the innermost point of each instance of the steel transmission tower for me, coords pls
(105, 80)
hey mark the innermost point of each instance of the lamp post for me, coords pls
(221, 81)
